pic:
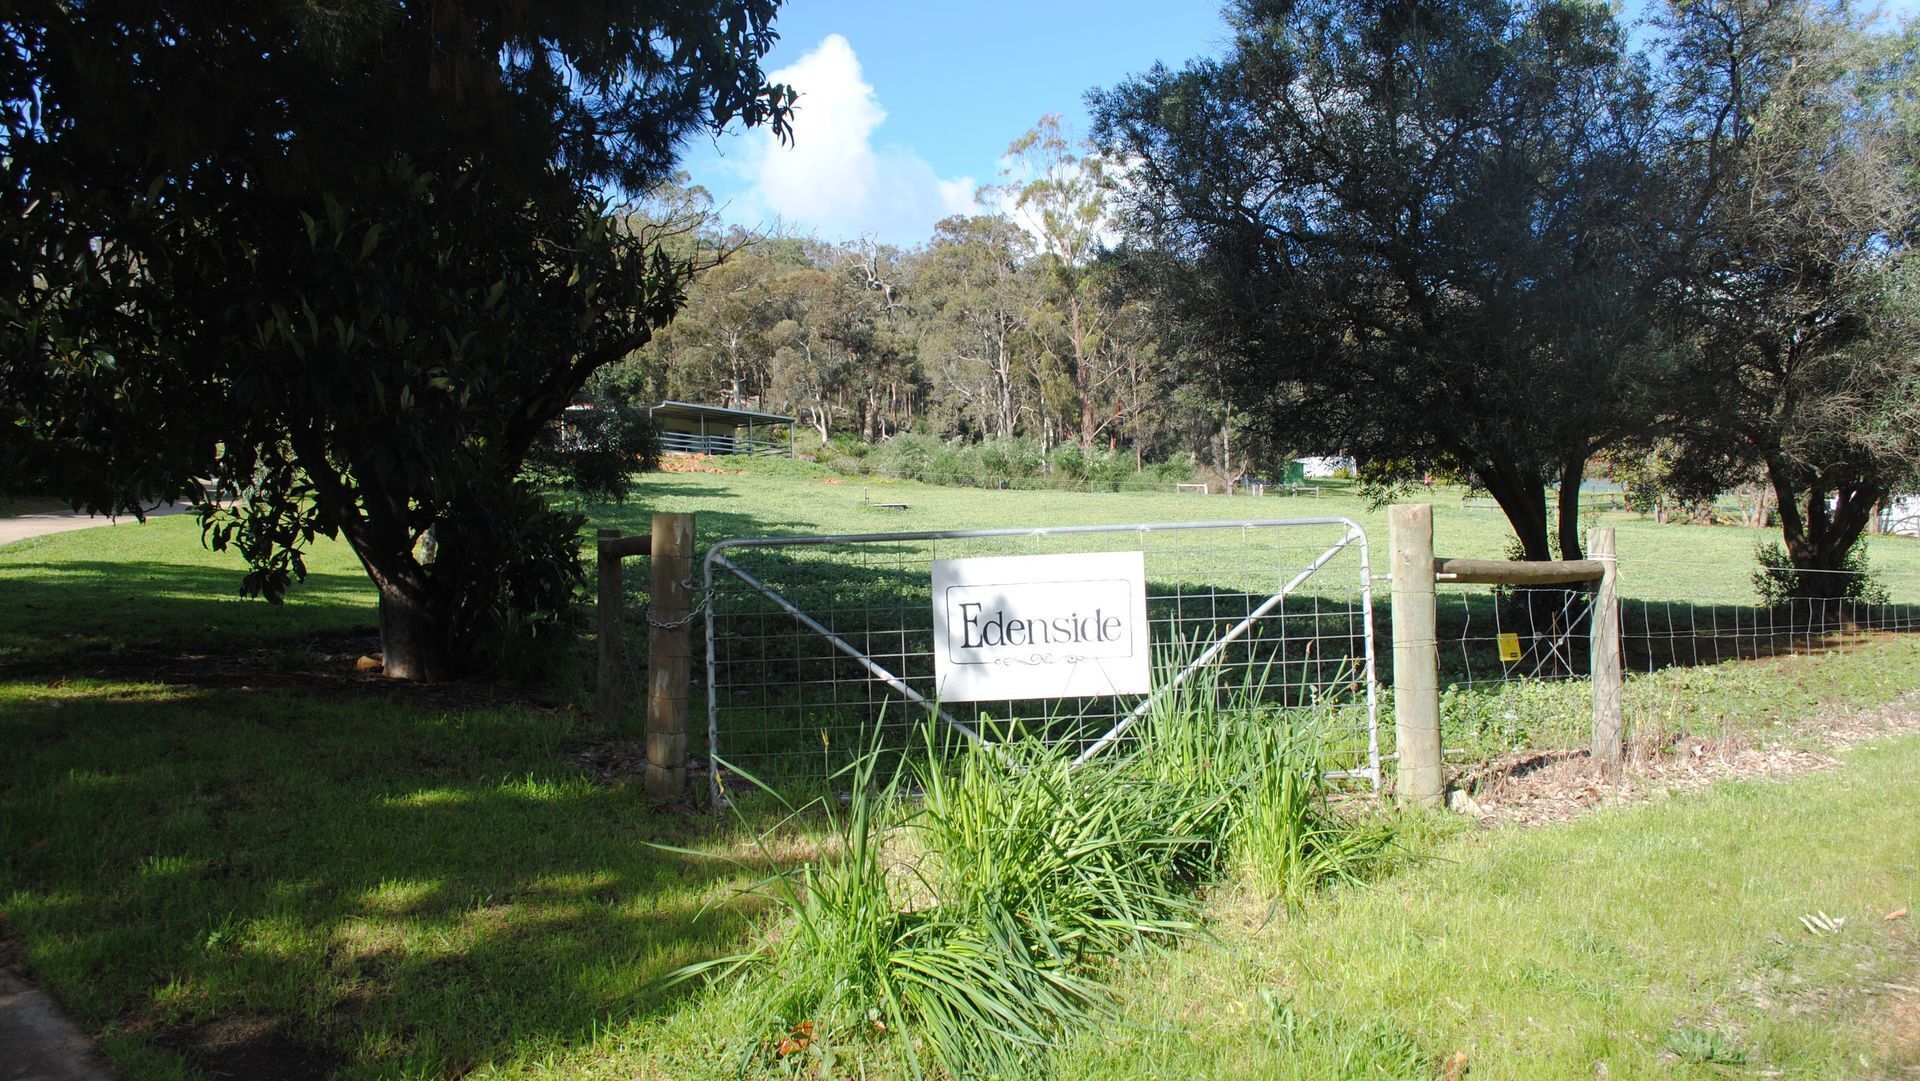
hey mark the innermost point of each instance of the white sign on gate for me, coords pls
(1047, 626)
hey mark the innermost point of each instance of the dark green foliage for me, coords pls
(597, 448)
(1410, 231)
(349, 262)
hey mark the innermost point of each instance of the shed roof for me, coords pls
(691, 411)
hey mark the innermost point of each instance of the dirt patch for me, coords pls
(1536, 787)
(247, 1046)
(693, 463)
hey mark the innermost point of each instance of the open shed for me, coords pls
(686, 428)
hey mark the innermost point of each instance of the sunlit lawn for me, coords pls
(386, 884)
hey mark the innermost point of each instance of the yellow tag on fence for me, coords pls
(1510, 647)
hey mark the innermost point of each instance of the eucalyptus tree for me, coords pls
(1412, 231)
(350, 260)
(976, 290)
(1059, 193)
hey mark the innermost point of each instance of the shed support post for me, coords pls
(1416, 661)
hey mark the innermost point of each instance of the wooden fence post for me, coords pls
(1609, 734)
(609, 690)
(669, 656)
(1416, 657)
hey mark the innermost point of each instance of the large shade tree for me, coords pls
(1794, 290)
(349, 260)
(1412, 231)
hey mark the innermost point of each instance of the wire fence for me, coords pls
(819, 648)
(1514, 663)
(823, 647)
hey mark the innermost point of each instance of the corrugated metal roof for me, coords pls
(691, 411)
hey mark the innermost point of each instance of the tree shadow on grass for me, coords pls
(61, 612)
(388, 888)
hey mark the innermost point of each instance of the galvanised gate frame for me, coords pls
(724, 558)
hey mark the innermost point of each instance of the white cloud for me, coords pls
(832, 177)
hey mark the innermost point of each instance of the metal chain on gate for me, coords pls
(693, 613)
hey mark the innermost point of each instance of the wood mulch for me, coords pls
(1536, 787)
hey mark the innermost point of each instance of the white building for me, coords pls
(1325, 466)
(1901, 514)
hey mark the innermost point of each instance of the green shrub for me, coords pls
(1178, 469)
(1778, 581)
(909, 455)
(596, 451)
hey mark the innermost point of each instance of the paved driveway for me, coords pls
(20, 527)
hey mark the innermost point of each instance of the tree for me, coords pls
(976, 298)
(1796, 295)
(351, 261)
(1411, 231)
(720, 346)
(1063, 197)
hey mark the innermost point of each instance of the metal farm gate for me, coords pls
(820, 647)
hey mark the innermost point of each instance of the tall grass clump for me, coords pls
(1288, 839)
(1223, 747)
(965, 931)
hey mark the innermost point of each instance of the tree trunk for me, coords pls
(414, 638)
(1525, 504)
(1082, 377)
(1818, 537)
(1571, 474)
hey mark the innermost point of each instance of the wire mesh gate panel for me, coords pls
(820, 647)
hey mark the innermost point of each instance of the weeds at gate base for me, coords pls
(968, 931)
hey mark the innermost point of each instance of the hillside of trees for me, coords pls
(1512, 244)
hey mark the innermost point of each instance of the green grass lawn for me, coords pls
(152, 585)
(385, 882)
(1648, 941)
(1706, 564)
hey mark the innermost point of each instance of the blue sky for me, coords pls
(907, 106)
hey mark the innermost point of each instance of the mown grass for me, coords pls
(407, 885)
(405, 890)
(152, 584)
(1610, 947)
(1705, 564)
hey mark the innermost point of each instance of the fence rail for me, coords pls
(688, 443)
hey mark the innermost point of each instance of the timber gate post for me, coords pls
(669, 656)
(1416, 660)
(1609, 731)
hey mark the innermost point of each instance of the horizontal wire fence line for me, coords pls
(819, 648)
(1848, 608)
(1311, 488)
(1514, 661)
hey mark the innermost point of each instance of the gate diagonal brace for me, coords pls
(840, 644)
(1206, 657)
(1354, 533)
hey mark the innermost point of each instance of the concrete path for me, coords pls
(37, 1043)
(22, 526)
